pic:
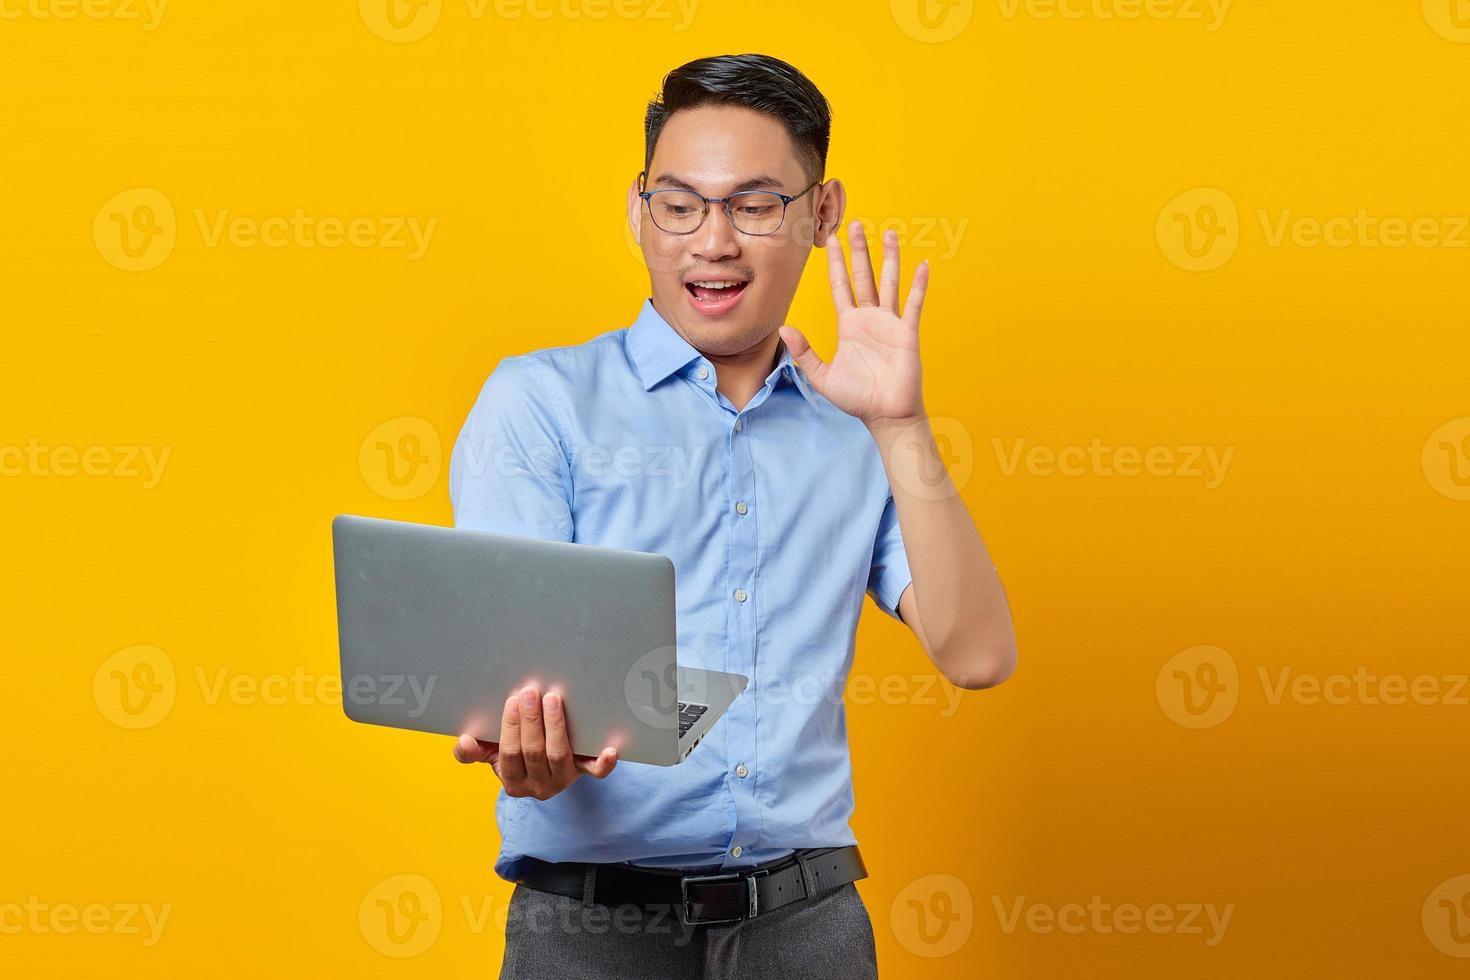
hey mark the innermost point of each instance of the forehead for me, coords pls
(715, 146)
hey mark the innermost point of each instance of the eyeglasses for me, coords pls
(681, 212)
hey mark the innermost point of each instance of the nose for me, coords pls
(717, 238)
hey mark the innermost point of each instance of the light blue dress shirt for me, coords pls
(778, 519)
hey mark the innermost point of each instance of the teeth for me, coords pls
(714, 285)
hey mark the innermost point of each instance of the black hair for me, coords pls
(752, 81)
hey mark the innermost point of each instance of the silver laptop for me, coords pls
(438, 626)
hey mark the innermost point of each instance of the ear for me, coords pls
(635, 212)
(831, 206)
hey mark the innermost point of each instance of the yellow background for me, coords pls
(1034, 160)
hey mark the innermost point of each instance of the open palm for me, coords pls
(874, 374)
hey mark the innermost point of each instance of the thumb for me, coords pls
(468, 750)
(802, 353)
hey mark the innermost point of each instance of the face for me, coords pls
(724, 291)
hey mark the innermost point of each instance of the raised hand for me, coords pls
(874, 374)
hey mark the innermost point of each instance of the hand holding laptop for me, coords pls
(534, 757)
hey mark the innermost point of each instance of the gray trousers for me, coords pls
(546, 935)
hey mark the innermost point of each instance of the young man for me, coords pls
(784, 489)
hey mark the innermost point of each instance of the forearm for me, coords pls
(966, 620)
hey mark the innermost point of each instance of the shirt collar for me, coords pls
(658, 351)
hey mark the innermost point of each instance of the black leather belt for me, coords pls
(701, 898)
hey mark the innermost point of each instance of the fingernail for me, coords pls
(553, 700)
(528, 697)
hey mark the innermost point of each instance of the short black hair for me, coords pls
(752, 81)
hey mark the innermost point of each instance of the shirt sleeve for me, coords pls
(889, 574)
(509, 472)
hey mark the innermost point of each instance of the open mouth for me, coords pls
(714, 297)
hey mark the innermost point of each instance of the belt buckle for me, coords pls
(688, 915)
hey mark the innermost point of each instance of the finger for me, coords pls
(533, 736)
(512, 764)
(470, 750)
(917, 292)
(837, 275)
(803, 355)
(558, 746)
(888, 279)
(599, 767)
(863, 286)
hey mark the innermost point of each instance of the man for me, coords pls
(784, 489)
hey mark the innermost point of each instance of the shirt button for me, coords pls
(741, 595)
(740, 508)
(741, 771)
(703, 373)
(739, 425)
(736, 851)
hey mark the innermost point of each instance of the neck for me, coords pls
(740, 375)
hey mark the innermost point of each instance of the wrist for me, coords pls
(886, 428)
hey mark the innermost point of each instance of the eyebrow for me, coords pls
(758, 182)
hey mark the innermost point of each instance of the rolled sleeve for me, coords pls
(889, 574)
(508, 472)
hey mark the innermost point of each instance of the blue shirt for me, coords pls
(778, 518)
